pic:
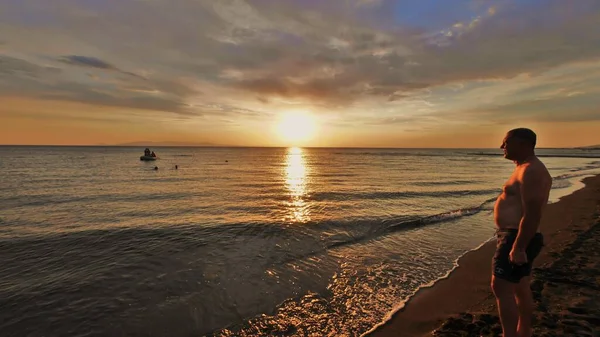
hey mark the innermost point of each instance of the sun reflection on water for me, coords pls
(295, 179)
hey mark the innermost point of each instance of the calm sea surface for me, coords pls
(238, 241)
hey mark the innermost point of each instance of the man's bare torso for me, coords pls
(508, 209)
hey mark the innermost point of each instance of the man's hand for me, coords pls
(518, 257)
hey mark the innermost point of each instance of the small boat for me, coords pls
(148, 155)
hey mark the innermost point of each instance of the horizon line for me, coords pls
(280, 147)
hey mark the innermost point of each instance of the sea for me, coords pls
(240, 241)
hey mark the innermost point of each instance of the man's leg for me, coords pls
(507, 305)
(524, 300)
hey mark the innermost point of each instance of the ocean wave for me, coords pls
(59, 199)
(445, 216)
(399, 154)
(337, 196)
(443, 183)
(561, 183)
(131, 258)
(571, 175)
(590, 166)
(327, 309)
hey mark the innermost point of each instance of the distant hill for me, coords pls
(590, 147)
(166, 143)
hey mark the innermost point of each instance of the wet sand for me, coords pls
(566, 282)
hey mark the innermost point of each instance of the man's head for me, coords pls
(518, 144)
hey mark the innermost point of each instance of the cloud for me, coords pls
(263, 55)
(501, 43)
(86, 61)
(27, 78)
(564, 93)
(92, 62)
(74, 92)
(576, 108)
(12, 67)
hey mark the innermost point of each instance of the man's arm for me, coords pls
(532, 200)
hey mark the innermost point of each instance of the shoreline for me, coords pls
(420, 289)
(466, 289)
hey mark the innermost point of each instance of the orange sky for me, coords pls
(374, 74)
(32, 122)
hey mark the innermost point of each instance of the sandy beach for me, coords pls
(565, 283)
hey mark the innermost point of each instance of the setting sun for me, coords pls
(296, 126)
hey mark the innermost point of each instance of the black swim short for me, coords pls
(501, 265)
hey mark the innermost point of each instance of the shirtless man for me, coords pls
(517, 216)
